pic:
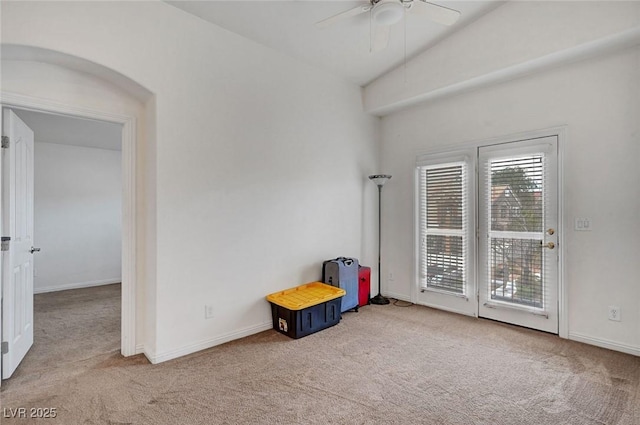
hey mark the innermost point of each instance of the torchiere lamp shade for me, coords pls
(380, 179)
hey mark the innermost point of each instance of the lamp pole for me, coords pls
(379, 180)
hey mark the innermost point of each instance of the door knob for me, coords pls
(32, 250)
(550, 232)
(549, 245)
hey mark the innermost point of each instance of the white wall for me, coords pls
(599, 102)
(78, 202)
(260, 162)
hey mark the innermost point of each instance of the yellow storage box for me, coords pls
(306, 309)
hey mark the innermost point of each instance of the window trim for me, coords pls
(470, 147)
(455, 302)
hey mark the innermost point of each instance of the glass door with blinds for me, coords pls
(517, 233)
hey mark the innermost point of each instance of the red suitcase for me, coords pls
(364, 285)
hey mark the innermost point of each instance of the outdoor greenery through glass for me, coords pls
(517, 219)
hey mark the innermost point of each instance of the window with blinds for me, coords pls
(443, 227)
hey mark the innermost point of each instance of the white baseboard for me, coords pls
(139, 348)
(208, 343)
(76, 285)
(604, 343)
(148, 354)
(397, 296)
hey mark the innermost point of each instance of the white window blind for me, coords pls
(516, 191)
(444, 226)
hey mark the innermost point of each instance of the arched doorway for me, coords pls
(61, 101)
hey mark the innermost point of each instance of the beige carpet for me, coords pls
(383, 365)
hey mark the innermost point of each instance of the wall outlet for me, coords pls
(391, 276)
(208, 311)
(614, 313)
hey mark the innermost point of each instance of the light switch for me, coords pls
(582, 224)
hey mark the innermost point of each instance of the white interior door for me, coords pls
(518, 233)
(17, 223)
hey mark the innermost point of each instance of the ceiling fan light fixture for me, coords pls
(388, 12)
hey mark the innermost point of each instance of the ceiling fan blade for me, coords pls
(440, 14)
(380, 37)
(346, 14)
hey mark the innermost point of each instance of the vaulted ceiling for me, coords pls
(343, 48)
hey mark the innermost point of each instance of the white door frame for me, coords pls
(129, 143)
(563, 134)
(545, 318)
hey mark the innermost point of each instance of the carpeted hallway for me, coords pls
(383, 365)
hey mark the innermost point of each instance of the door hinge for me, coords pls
(5, 142)
(4, 244)
(5, 347)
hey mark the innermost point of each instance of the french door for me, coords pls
(518, 236)
(489, 246)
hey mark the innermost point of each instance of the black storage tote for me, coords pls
(343, 273)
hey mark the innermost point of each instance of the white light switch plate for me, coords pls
(582, 224)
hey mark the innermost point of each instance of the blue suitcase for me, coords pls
(343, 273)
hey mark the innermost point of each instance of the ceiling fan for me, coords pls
(385, 13)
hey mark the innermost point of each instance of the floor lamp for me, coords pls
(380, 180)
